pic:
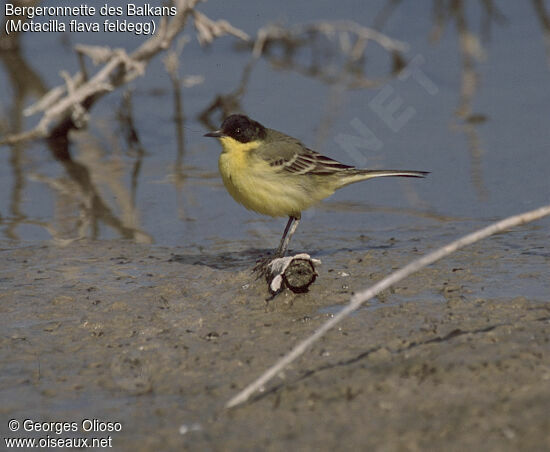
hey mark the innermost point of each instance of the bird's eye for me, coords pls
(238, 130)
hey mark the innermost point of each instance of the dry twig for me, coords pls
(80, 92)
(359, 298)
(209, 29)
(340, 29)
(343, 63)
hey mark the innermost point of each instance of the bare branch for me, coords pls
(343, 64)
(338, 29)
(80, 93)
(359, 298)
(209, 29)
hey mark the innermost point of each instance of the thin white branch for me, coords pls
(50, 98)
(337, 29)
(98, 54)
(208, 29)
(118, 68)
(359, 298)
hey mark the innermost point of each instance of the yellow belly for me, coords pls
(256, 185)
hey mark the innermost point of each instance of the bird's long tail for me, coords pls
(357, 175)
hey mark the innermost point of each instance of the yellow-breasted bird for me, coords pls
(275, 174)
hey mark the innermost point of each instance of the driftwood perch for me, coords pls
(295, 272)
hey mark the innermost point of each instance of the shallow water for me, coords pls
(485, 141)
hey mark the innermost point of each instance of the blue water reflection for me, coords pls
(468, 100)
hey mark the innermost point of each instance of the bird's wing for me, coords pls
(289, 155)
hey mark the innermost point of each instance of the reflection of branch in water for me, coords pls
(25, 83)
(445, 9)
(87, 196)
(471, 49)
(79, 190)
(337, 53)
(476, 152)
(471, 52)
(126, 120)
(490, 14)
(172, 64)
(16, 213)
(66, 107)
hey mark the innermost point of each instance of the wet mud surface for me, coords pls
(158, 339)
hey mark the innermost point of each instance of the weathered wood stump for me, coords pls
(295, 272)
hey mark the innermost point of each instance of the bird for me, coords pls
(274, 174)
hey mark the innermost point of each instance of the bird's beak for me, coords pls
(214, 134)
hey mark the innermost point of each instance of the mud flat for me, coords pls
(456, 357)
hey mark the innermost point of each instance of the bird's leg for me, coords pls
(262, 266)
(290, 229)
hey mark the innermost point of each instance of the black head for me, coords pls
(240, 128)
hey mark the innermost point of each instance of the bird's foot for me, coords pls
(295, 272)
